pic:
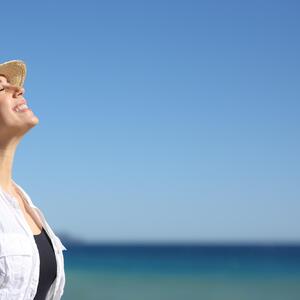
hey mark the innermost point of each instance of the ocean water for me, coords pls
(182, 272)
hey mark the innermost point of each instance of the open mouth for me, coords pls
(21, 108)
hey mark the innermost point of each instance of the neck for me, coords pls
(7, 153)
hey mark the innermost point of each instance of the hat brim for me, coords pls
(14, 71)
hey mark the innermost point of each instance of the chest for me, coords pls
(34, 223)
(19, 255)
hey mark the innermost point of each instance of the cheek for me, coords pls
(4, 115)
(4, 104)
(7, 115)
(3, 98)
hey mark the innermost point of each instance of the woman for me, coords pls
(31, 257)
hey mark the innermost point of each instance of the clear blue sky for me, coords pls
(161, 120)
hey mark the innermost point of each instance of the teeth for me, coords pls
(21, 107)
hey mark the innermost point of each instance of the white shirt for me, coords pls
(19, 255)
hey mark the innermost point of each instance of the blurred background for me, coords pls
(167, 154)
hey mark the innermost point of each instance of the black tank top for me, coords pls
(47, 264)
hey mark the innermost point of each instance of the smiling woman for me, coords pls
(13, 120)
(31, 259)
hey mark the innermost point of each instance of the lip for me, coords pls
(19, 103)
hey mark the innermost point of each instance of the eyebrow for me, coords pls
(7, 81)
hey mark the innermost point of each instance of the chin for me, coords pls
(36, 120)
(32, 122)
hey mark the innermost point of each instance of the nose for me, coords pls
(19, 91)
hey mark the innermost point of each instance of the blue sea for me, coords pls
(182, 272)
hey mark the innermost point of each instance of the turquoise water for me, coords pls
(189, 273)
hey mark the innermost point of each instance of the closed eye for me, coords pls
(4, 86)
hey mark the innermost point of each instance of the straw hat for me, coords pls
(14, 71)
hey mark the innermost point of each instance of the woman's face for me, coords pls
(12, 121)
